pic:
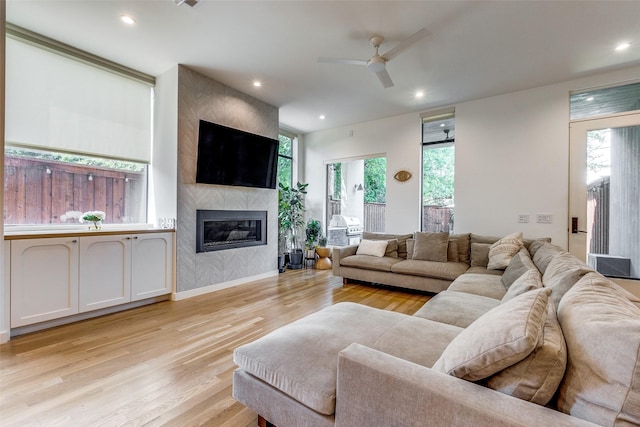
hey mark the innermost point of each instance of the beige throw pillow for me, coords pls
(601, 326)
(431, 246)
(372, 247)
(452, 251)
(536, 377)
(529, 281)
(501, 337)
(503, 250)
(480, 254)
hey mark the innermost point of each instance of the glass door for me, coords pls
(604, 194)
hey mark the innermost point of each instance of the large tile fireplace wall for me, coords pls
(200, 97)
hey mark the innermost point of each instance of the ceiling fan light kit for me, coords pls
(377, 64)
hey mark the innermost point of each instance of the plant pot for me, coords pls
(296, 259)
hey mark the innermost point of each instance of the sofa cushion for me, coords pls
(437, 270)
(503, 336)
(503, 250)
(410, 244)
(401, 238)
(562, 273)
(452, 251)
(456, 308)
(602, 329)
(301, 358)
(430, 246)
(519, 264)
(464, 246)
(527, 282)
(375, 248)
(480, 254)
(369, 262)
(544, 254)
(417, 340)
(537, 377)
(487, 285)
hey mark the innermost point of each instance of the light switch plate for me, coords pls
(523, 218)
(544, 218)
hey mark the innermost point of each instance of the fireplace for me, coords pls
(219, 230)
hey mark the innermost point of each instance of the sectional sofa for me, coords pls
(542, 340)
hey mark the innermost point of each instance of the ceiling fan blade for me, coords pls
(399, 48)
(385, 79)
(324, 60)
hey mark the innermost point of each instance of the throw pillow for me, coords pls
(537, 377)
(602, 330)
(372, 247)
(464, 246)
(503, 250)
(431, 246)
(401, 238)
(519, 264)
(480, 254)
(410, 244)
(392, 248)
(499, 338)
(527, 282)
(452, 251)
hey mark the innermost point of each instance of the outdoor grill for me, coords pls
(344, 230)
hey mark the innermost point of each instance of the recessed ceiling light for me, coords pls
(419, 94)
(321, 117)
(623, 46)
(257, 83)
(442, 125)
(127, 19)
(590, 98)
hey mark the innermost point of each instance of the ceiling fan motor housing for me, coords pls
(376, 64)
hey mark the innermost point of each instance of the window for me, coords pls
(438, 161)
(78, 134)
(45, 187)
(285, 160)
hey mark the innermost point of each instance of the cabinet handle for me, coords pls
(74, 241)
(128, 238)
(135, 238)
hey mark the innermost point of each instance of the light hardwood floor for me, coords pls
(169, 363)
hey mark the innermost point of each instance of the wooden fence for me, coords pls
(434, 218)
(39, 191)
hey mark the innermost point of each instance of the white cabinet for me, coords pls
(105, 271)
(151, 265)
(44, 279)
(57, 277)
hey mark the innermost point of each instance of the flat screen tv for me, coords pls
(229, 156)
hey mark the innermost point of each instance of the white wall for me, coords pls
(4, 282)
(511, 157)
(163, 182)
(397, 138)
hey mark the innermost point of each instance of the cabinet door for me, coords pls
(105, 271)
(44, 279)
(152, 265)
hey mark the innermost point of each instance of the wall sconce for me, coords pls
(90, 177)
(48, 170)
(126, 179)
(358, 187)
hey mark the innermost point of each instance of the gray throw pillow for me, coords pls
(431, 246)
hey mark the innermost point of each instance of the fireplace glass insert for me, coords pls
(219, 230)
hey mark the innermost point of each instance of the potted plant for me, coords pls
(313, 233)
(291, 219)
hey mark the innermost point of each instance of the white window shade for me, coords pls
(58, 103)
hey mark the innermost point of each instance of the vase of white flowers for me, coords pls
(96, 217)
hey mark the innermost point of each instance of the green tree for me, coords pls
(375, 180)
(437, 175)
(285, 162)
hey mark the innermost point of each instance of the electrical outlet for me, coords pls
(523, 218)
(544, 218)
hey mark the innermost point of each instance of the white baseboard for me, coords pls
(177, 296)
(4, 337)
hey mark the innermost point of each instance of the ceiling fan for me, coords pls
(377, 64)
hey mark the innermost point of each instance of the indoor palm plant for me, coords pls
(291, 220)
